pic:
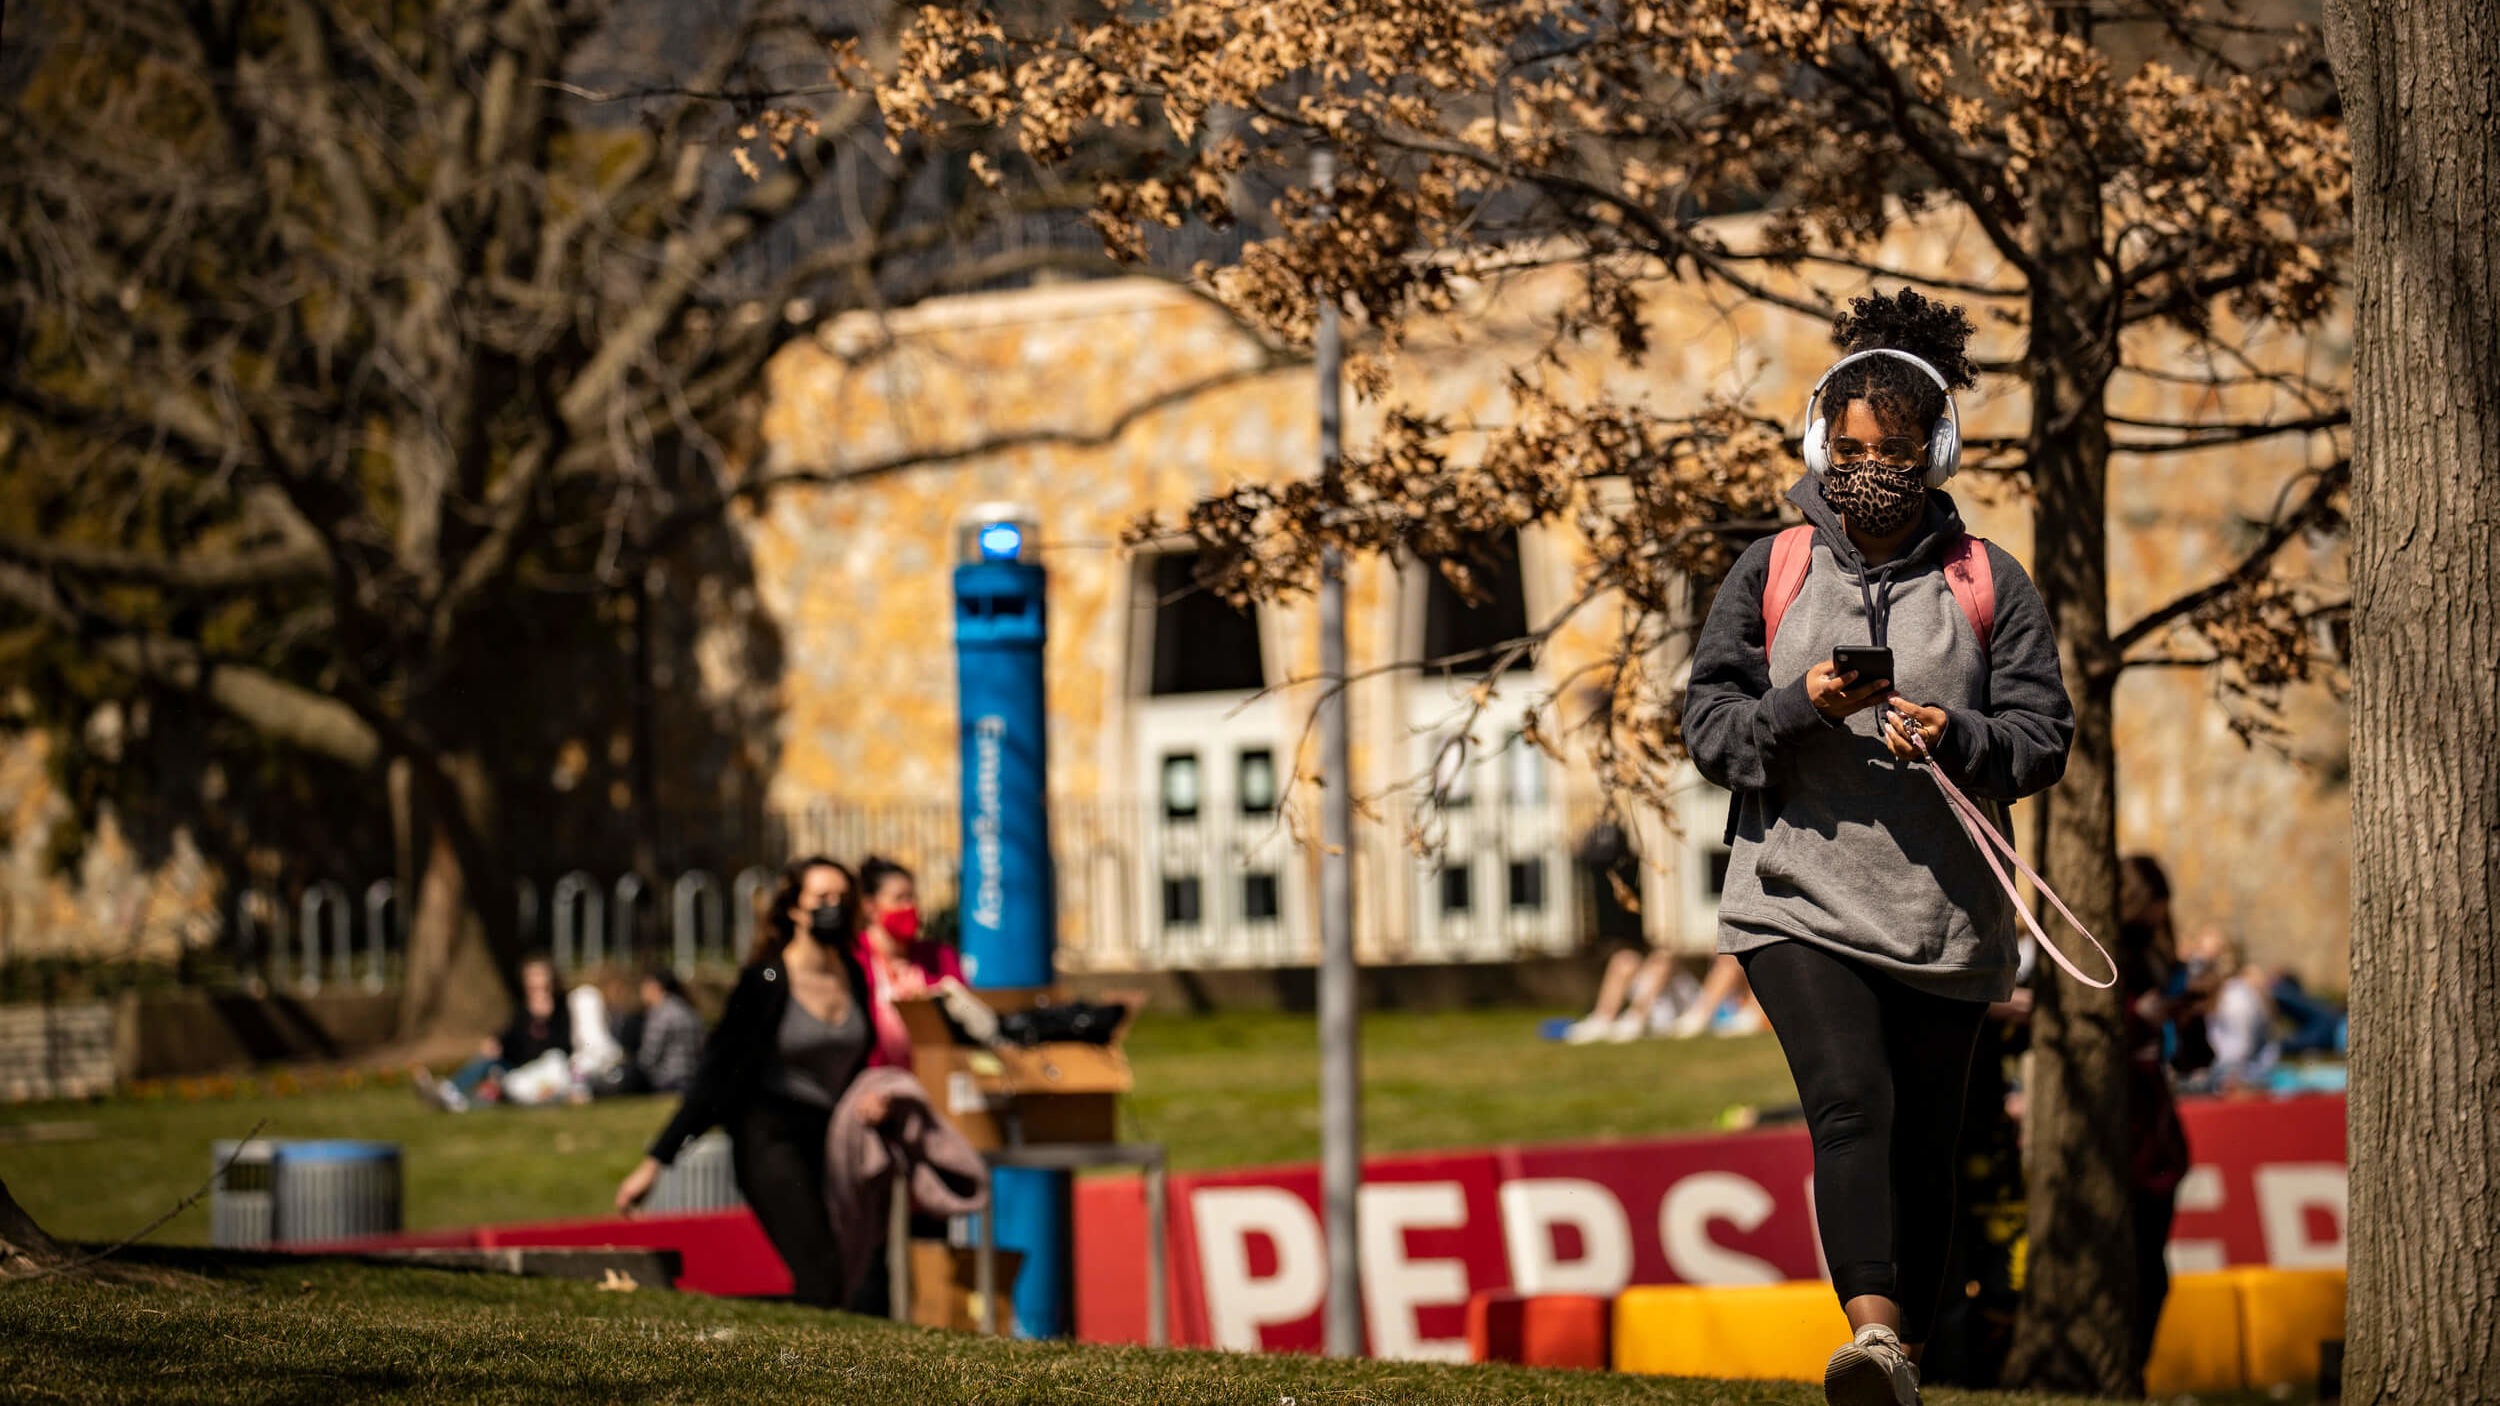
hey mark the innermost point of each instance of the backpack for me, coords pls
(1966, 572)
(1973, 582)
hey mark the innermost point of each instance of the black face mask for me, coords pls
(1878, 499)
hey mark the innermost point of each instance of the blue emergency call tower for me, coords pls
(1008, 903)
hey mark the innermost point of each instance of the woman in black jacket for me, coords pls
(795, 1033)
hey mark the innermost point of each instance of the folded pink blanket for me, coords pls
(943, 1174)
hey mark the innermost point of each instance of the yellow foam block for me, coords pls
(1776, 1332)
(2198, 1344)
(2284, 1315)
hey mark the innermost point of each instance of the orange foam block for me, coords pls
(1541, 1330)
(2285, 1314)
(2198, 1345)
(1778, 1332)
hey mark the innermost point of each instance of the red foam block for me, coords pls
(723, 1252)
(1541, 1330)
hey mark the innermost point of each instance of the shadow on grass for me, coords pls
(279, 1328)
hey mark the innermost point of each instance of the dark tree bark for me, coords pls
(2418, 79)
(24, 1247)
(2079, 1303)
(460, 970)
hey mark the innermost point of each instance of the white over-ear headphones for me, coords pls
(1944, 441)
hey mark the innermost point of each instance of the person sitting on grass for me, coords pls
(2241, 1019)
(2318, 1026)
(541, 1025)
(672, 1034)
(1647, 996)
(659, 1042)
(1639, 995)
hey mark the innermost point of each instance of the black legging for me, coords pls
(777, 1149)
(1880, 1069)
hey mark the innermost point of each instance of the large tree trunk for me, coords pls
(460, 972)
(24, 1248)
(2424, 1129)
(2079, 1291)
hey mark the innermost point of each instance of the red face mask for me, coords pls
(901, 924)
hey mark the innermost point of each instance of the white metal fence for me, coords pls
(1140, 887)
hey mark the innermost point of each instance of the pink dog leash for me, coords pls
(1990, 842)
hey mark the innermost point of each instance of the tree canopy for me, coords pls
(381, 376)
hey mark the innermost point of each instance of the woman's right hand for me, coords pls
(1836, 695)
(637, 1185)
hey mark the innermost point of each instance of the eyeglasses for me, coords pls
(1894, 449)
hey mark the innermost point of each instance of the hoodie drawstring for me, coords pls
(1878, 601)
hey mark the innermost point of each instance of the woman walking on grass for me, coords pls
(794, 1037)
(1870, 925)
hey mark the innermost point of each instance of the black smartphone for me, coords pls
(1868, 661)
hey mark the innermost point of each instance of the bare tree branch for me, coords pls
(206, 575)
(2313, 507)
(2207, 436)
(272, 706)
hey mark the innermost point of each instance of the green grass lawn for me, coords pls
(1218, 1091)
(1241, 1089)
(329, 1331)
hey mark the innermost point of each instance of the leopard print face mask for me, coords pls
(1878, 499)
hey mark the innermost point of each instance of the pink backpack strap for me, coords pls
(1792, 552)
(1973, 581)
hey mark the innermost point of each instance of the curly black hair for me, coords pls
(1903, 398)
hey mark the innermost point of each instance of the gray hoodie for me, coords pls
(1834, 841)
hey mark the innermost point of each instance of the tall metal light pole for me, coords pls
(1340, 1019)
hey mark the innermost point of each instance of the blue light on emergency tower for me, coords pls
(1001, 541)
(1008, 904)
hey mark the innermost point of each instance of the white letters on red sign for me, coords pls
(2269, 1186)
(2200, 1191)
(1534, 1207)
(1394, 1286)
(2286, 1194)
(1684, 1220)
(1238, 1304)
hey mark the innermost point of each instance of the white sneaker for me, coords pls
(1871, 1370)
(1627, 1028)
(441, 1093)
(1587, 1030)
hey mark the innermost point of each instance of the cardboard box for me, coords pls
(945, 1287)
(1058, 1092)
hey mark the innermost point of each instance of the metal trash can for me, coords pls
(242, 1204)
(701, 1179)
(334, 1190)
